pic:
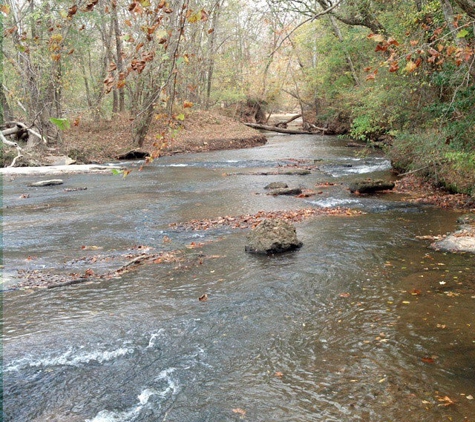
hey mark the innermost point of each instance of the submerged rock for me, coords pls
(294, 171)
(277, 185)
(285, 191)
(53, 182)
(272, 236)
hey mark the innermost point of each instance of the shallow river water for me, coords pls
(363, 323)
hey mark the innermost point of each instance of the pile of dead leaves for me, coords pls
(423, 192)
(47, 279)
(252, 220)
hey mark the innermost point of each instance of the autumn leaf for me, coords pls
(394, 67)
(5, 9)
(89, 273)
(376, 37)
(428, 359)
(446, 401)
(204, 298)
(392, 41)
(371, 76)
(410, 66)
(72, 11)
(239, 411)
(187, 104)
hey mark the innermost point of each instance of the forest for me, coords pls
(397, 75)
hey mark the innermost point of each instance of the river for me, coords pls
(363, 323)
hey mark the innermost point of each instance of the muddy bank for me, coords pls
(98, 142)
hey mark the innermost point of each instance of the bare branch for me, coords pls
(311, 19)
(12, 144)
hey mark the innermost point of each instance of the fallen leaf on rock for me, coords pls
(203, 298)
(279, 374)
(428, 359)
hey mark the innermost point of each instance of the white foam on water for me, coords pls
(143, 398)
(178, 165)
(334, 202)
(68, 358)
(369, 168)
(154, 336)
(172, 386)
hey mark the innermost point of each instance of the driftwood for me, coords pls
(282, 130)
(14, 145)
(286, 122)
(370, 186)
(17, 126)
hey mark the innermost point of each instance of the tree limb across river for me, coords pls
(282, 130)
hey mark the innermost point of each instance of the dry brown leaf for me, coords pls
(239, 411)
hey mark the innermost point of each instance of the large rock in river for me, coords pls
(463, 240)
(272, 236)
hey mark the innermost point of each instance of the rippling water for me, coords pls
(363, 323)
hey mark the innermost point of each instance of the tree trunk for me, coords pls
(212, 40)
(119, 59)
(282, 130)
(468, 6)
(5, 112)
(141, 126)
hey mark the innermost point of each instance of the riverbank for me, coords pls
(104, 141)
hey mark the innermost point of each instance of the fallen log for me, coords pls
(25, 127)
(286, 122)
(370, 186)
(282, 130)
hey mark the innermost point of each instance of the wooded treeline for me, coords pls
(394, 72)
